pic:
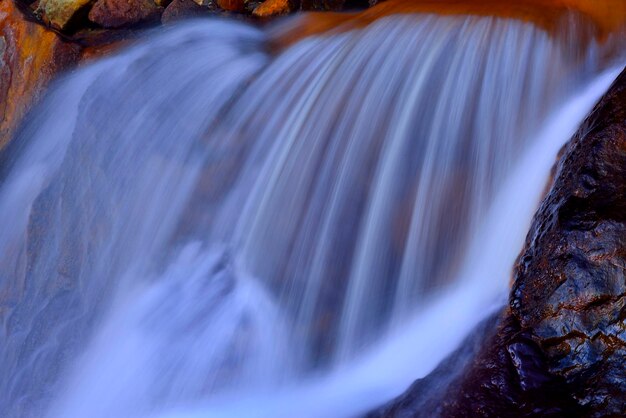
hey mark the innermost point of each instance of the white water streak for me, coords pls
(197, 221)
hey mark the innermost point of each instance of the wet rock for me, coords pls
(61, 14)
(570, 283)
(273, 8)
(124, 13)
(560, 347)
(30, 56)
(496, 372)
(332, 5)
(181, 9)
(425, 397)
(232, 5)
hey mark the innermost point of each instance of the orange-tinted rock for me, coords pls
(124, 13)
(232, 5)
(606, 15)
(30, 56)
(60, 14)
(273, 8)
(100, 50)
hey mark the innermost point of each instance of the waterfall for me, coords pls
(198, 222)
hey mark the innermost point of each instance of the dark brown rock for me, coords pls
(497, 372)
(322, 5)
(232, 5)
(124, 13)
(560, 348)
(181, 9)
(570, 283)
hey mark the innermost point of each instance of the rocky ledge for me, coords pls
(41, 38)
(71, 16)
(559, 348)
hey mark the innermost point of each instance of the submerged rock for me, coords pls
(560, 348)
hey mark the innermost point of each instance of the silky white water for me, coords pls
(196, 227)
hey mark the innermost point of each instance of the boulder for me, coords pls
(273, 8)
(182, 9)
(61, 14)
(232, 5)
(570, 282)
(124, 13)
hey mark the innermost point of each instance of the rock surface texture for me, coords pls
(30, 56)
(559, 349)
(60, 14)
(119, 13)
(570, 283)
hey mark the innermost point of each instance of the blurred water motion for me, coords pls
(196, 220)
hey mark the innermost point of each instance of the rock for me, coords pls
(124, 13)
(30, 56)
(181, 9)
(272, 8)
(232, 5)
(322, 5)
(498, 371)
(425, 397)
(570, 283)
(606, 17)
(560, 347)
(61, 14)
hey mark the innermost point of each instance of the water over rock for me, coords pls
(115, 192)
(559, 349)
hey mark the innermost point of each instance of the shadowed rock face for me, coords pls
(570, 282)
(498, 371)
(560, 348)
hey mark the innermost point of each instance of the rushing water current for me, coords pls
(197, 227)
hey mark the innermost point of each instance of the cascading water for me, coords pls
(198, 222)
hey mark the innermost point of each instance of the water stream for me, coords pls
(198, 227)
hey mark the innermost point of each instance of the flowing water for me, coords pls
(200, 227)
